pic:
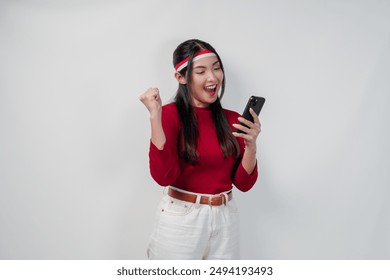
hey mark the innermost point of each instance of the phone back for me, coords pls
(256, 103)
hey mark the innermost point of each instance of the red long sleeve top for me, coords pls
(213, 174)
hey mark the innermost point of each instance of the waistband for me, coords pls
(212, 200)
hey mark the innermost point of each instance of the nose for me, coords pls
(211, 77)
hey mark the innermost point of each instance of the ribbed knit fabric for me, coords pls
(213, 174)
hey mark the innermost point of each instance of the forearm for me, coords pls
(246, 174)
(157, 132)
(163, 157)
(250, 132)
(249, 160)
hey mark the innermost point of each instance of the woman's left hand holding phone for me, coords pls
(252, 131)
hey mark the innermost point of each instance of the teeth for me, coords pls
(211, 87)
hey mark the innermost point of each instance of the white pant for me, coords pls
(190, 231)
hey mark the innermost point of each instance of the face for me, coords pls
(207, 77)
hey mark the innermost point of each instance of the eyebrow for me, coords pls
(201, 66)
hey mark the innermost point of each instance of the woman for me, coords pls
(195, 150)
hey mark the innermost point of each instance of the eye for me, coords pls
(199, 72)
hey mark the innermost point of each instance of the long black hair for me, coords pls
(189, 127)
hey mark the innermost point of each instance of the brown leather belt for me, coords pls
(212, 200)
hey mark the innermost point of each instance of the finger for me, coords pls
(236, 134)
(241, 127)
(245, 121)
(255, 126)
(254, 115)
(247, 137)
(146, 93)
(150, 94)
(142, 97)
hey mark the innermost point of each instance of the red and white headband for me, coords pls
(201, 54)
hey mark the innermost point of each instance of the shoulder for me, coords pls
(170, 106)
(170, 113)
(169, 109)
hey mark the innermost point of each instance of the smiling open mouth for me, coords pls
(211, 89)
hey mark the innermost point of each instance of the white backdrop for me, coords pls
(74, 177)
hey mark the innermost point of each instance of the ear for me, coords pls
(182, 80)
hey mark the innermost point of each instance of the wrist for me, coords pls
(250, 150)
(155, 114)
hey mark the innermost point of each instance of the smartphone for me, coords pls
(256, 103)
